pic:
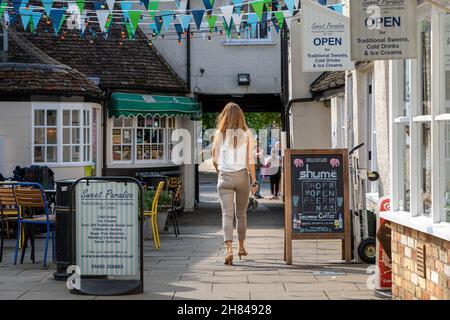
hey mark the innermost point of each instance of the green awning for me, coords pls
(131, 104)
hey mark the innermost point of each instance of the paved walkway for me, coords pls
(191, 266)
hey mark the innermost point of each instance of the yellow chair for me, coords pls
(153, 215)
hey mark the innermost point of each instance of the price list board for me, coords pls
(316, 202)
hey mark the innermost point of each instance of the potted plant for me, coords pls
(164, 205)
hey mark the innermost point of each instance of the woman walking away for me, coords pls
(233, 158)
(274, 170)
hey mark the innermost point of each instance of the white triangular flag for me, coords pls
(227, 11)
(237, 19)
(102, 16)
(110, 4)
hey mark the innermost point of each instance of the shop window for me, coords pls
(61, 135)
(122, 139)
(142, 139)
(254, 33)
(45, 136)
(421, 126)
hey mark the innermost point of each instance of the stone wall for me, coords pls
(407, 282)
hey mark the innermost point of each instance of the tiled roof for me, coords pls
(328, 81)
(29, 71)
(130, 65)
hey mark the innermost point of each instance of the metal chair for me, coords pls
(31, 196)
(9, 212)
(153, 216)
(176, 208)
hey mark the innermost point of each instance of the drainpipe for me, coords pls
(188, 52)
(105, 104)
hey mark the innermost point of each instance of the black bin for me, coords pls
(64, 224)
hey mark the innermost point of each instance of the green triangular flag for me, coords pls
(62, 21)
(134, 16)
(153, 8)
(129, 30)
(227, 30)
(31, 25)
(211, 21)
(258, 6)
(2, 6)
(268, 3)
(279, 15)
(108, 22)
(80, 4)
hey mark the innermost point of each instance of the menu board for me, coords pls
(107, 228)
(316, 200)
(317, 194)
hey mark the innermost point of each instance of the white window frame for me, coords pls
(59, 107)
(134, 162)
(434, 224)
(252, 41)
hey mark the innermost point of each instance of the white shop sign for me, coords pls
(383, 30)
(325, 39)
(107, 228)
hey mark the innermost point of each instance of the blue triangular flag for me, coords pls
(338, 8)
(126, 6)
(56, 16)
(167, 17)
(198, 17)
(47, 4)
(185, 20)
(179, 30)
(323, 2)
(208, 4)
(252, 19)
(158, 25)
(25, 16)
(290, 5)
(36, 16)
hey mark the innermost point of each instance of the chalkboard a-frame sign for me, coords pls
(317, 198)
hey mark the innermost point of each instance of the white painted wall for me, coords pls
(222, 62)
(15, 127)
(310, 124)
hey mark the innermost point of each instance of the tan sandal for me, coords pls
(242, 252)
(229, 259)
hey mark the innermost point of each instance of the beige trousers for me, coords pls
(234, 191)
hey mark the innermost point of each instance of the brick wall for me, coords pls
(407, 281)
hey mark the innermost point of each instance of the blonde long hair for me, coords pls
(231, 118)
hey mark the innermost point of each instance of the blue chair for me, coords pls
(30, 197)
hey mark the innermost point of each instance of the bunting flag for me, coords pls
(102, 16)
(227, 12)
(258, 7)
(268, 4)
(16, 8)
(154, 29)
(158, 25)
(237, 19)
(237, 6)
(134, 17)
(279, 18)
(35, 18)
(129, 29)
(198, 17)
(227, 29)
(211, 21)
(2, 6)
(339, 8)
(80, 4)
(25, 15)
(209, 4)
(185, 21)
(167, 17)
(181, 4)
(57, 18)
(290, 5)
(110, 4)
(252, 20)
(152, 8)
(126, 6)
(297, 4)
(179, 30)
(47, 4)
(108, 23)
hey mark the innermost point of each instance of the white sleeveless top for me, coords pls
(232, 159)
